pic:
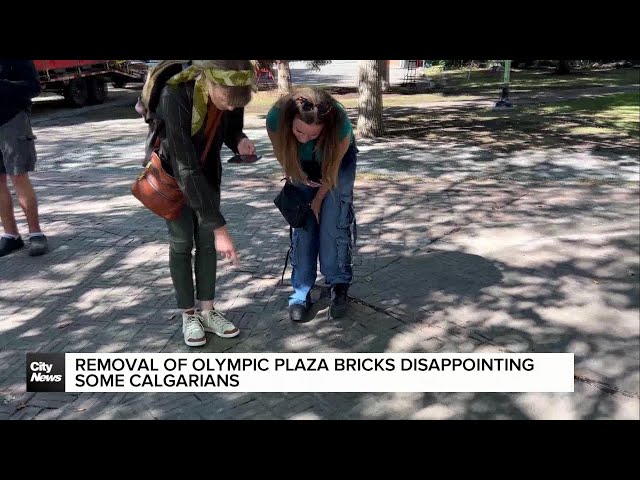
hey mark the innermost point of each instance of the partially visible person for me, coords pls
(19, 83)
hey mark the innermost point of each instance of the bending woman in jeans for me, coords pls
(313, 140)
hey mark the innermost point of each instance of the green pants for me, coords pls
(183, 233)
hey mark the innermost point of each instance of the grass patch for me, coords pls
(482, 79)
(619, 112)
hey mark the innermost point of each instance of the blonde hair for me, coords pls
(314, 107)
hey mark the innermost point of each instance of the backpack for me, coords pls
(156, 79)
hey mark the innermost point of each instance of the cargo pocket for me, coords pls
(293, 250)
(25, 154)
(30, 137)
(345, 215)
(344, 255)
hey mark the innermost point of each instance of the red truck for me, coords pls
(84, 82)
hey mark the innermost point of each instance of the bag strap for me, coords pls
(286, 260)
(214, 117)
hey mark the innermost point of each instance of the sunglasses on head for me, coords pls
(307, 106)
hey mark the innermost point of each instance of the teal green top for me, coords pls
(305, 150)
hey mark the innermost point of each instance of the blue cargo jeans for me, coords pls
(331, 239)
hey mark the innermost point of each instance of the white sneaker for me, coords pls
(192, 330)
(214, 322)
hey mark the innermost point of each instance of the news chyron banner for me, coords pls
(300, 372)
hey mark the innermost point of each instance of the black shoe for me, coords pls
(9, 244)
(38, 245)
(339, 300)
(298, 312)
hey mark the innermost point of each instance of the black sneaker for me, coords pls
(339, 300)
(298, 312)
(38, 245)
(10, 244)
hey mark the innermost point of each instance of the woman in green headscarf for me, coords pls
(188, 103)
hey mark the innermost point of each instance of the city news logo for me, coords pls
(45, 372)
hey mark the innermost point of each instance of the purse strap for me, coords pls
(214, 117)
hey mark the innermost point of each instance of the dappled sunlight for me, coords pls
(487, 232)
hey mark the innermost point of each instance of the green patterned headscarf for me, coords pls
(231, 78)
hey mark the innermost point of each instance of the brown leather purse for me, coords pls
(159, 191)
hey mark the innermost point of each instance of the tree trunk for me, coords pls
(370, 99)
(385, 76)
(563, 68)
(284, 77)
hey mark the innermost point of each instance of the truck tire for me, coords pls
(76, 93)
(97, 90)
(119, 83)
